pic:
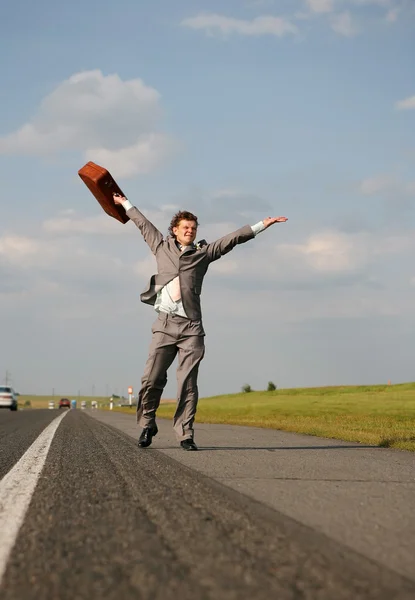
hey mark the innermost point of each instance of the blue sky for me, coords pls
(234, 110)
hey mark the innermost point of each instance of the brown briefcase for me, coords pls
(100, 182)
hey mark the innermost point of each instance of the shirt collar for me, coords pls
(183, 248)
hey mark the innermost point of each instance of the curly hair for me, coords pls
(182, 215)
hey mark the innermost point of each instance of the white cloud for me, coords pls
(103, 117)
(325, 259)
(259, 3)
(329, 252)
(381, 3)
(320, 6)
(389, 187)
(19, 250)
(225, 267)
(326, 6)
(29, 253)
(340, 15)
(72, 225)
(338, 252)
(139, 158)
(410, 188)
(343, 24)
(406, 104)
(56, 263)
(392, 15)
(362, 247)
(375, 185)
(69, 255)
(263, 25)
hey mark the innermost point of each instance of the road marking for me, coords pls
(17, 487)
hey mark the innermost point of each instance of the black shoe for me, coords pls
(146, 436)
(188, 444)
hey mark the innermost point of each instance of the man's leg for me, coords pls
(161, 355)
(191, 352)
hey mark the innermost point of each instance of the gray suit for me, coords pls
(175, 334)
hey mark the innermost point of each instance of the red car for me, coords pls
(64, 403)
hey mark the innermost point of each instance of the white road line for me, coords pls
(17, 487)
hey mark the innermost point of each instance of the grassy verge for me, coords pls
(378, 415)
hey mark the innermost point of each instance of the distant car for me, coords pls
(64, 403)
(51, 405)
(83, 405)
(8, 397)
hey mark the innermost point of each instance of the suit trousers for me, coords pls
(172, 335)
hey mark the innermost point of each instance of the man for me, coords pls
(175, 293)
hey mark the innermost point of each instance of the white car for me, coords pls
(83, 405)
(51, 405)
(8, 397)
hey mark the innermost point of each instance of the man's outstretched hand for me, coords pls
(271, 220)
(118, 199)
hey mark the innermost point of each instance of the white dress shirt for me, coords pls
(164, 301)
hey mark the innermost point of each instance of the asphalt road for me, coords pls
(108, 520)
(18, 430)
(361, 496)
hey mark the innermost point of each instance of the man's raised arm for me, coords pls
(152, 236)
(225, 244)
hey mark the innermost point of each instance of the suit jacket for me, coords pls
(190, 265)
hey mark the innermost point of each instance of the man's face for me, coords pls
(185, 232)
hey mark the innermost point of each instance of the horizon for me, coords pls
(278, 389)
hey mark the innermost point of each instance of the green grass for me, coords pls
(381, 415)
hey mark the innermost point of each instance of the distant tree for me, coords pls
(246, 388)
(271, 386)
(27, 403)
